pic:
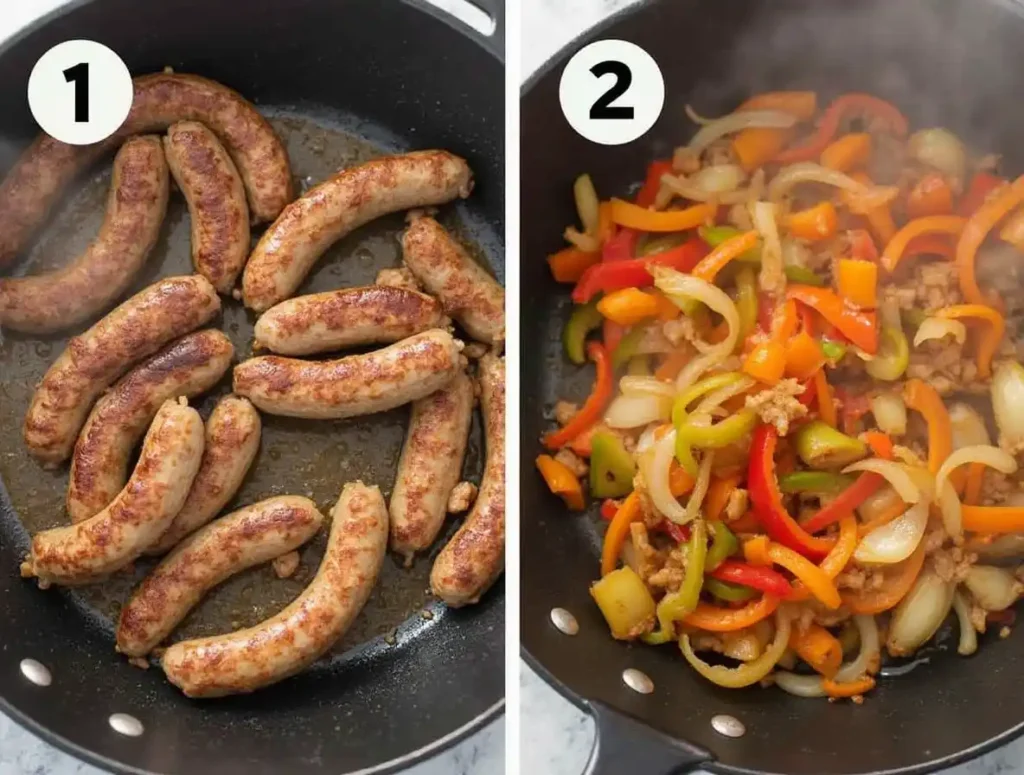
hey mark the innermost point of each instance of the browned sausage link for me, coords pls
(93, 360)
(97, 547)
(291, 246)
(99, 465)
(250, 536)
(445, 269)
(232, 441)
(58, 300)
(475, 556)
(219, 214)
(351, 386)
(283, 645)
(48, 166)
(321, 322)
(430, 465)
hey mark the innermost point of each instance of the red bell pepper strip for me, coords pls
(611, 334)
(595, 404)
(621, 246)
(678, 533)
(609, 508)
(862, 245)
(632, 273)
(810, 393)
(832, 117)
(767, 499)
(754, 576)
(857, 325)
(649, 191)
(982, 184)
(867, 484)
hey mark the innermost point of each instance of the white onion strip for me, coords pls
(735, 122)
(810, 172)
(895, 541)
(968, 637)
(656, 477)
(938, 328)
(700, 487)
(636, 411)
(633, 385)
(893, 473)
(949, 503)
(867, 657)
(799, 685)
(773, 271)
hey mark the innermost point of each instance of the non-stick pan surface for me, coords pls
(341, 83)
(944, 62)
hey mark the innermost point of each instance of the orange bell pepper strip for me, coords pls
(812, 577)
(836, 560)
(826, 406)
(667, 310)
(717, 497)
(993, 519)
(669, 369)
(859, 326)
(595, 404)
(815, 223)
(931, 195)
(561, 481)
(618, 531)
(804, 356)
(766, 362)
(628, 306)
(879, 218)
(848, 152)
(568, 266)
(832, 118)
(974, 483)
(931, 245)
(879, 442)
(857, 282)
(801, 104)
(757, 146)
(635, 217)
(715, 619)
(755, 550)
(976, 230)
(851, 689)
(989, 341)
(679, 480)
(785, 320)
(818, 648)
(893, 589)
(1013, 229)
(923, 398)
(933, 224)
(605, 226)
(715, 261)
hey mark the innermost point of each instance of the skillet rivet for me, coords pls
(729, 726)
(637, 680)
(564, 621)
(126, 725)
(36, 672)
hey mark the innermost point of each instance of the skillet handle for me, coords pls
(495, 42)
(624, 745)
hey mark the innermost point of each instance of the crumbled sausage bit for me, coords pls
(399, 278)
(648, 558)
(680, 330)
(286, 565)
(952, 564)
(572, 461)
(463, 496)
(778, 405)
(996, 487)
(565, 411)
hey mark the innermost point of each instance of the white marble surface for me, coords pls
(556, 737)
(21, 753)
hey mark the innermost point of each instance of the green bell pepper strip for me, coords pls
(821, 446)
(676, 605)
(612, 467)
(746, 303)
(803, 276)
(680, 417)
(724, 545)
(639, 366)
(730, 593)
(652, 245)
(584, 319)
(627, 346)
(716, 235)
(814, 482)
(893, 355)
(721, 434)
(834, 351)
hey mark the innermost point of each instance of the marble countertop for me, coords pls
(556, 737)
(22, 753)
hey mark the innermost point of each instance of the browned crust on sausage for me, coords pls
(58, 300)
(213, 188)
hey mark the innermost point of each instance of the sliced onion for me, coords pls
(867, 657)
(646, 386)
(743, 645)
(586, 203)
(795, 253)
(994, 589)
(716, 398)
(646, 440)
(1007, 400)
(968, 427)
(810, 172)
(938, 328)
(696, 117)
(735, 122)
(654, 342)
(968, 637)
(659, 461)
(895, 541)
(921, 478)
(700, 487)
(765, 217)
(890, 413)
(637, 411)
(919, 614)
(882, 500)
(588, 243)
(719, 178)
(949, 503)
(799, 685)
(894, 473)
(749, 673)
(941, 149)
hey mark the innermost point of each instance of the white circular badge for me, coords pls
(612, 92)
(80, 92)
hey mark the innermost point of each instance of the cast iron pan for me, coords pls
(945, 62)
(341, 81)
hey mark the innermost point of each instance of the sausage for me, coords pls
(430, 465)
(475, 556)
(107, 542)
(327, 212)
(99, 464)
(320, 322)
(47, 167)
(250, 536)
(92, 361)
(136, 205)
(354, 385)
(283, 645)
(468, 293)
(213, 189)
(232, 441)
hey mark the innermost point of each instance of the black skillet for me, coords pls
(945, 62)
(386, 76)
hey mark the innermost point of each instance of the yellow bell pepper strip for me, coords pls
(628, 306)
(612, 466)
(851, 689)
(859, 326)
(976, 230)
(625, 602)
(730, 593)
(714, 619)
(804, 356)
(993, 519)
(815, 223)
(584, 319)
(618, 531)
(627, 346)
(595, 404)
(635, 217)
(755, 550)
(724, 545)
(857, 282)
(923, 398)
(989, 342)
(568, 266)
(561, 481)
(836, 560)
(932, 224)
(719, 257)
(717, 497)
(832, 118)
(766, 362)
(818, 648)
(848, 152)
(812, 577)
(894, 588)
(676, 605)
(931, 195)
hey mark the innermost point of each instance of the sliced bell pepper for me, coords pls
(628, 306)
(867, 484)
(717, 235)
(605, 227)
(833, 351)
(724, 545)
(652, 245)
(801, 104)
(652, 183)
(821, 446)
(746, 302)
(894, 588)
(814, 578)
(612, 466)
(931, 195)
(627, 346)
(802, 275)
(618, 531)
(818, 648)
(804, 356)
(677, 605)
(632, 273)
(561, 481)
(932, 224)
(824, 482)
(859, 326)
(826, 406)
(714, 619)
(815, 223)
(893, 355)
(611, 334)
(993, 519)
(978, 226)
(755, 551)
(857, 282)
(754, 576)
(621, 246)
(862, 245)
(730, 593)
(636, 217)
(923, 398)
(982, 185)
(989, 342)
(832, 117)
(584, 319)
(851, 689)
(880, 444)
(609, 508)
(568, 265)
(848, 152)
(873, 206)
(767, 500)
(727, 251)
(717, 497)
(766, 362)
(669, 369)
(595, 404)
